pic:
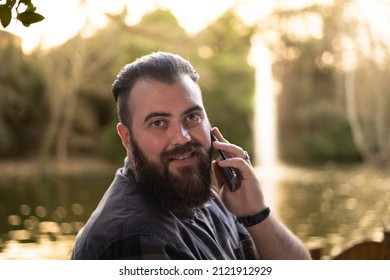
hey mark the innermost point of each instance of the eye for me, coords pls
(193, 117)
(158, 123)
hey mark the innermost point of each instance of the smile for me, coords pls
(183, 160)
(183, 157)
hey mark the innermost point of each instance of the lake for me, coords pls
(329, 208)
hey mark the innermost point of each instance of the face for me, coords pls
(169, 143)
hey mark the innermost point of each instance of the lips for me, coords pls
(182, 157)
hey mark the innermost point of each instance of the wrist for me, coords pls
(251, 220)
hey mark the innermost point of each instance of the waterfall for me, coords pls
(265, 122)
(265, 107)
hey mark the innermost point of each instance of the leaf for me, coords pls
(5, 15)
(26, 2)
(10, 3)
(30, 8)
(28, 17)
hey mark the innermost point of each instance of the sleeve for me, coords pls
(143, 248)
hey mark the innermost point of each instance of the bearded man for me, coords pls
(161, 204)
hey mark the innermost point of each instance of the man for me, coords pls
(161, 204)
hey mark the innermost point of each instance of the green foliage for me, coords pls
(74, 92)
(22, 107)
(313, 125)
(5, 15)
(76, 95)
(110, 146)
(26, 17)
(227, 80)
(328, 137)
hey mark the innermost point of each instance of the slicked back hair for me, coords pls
(161, 66)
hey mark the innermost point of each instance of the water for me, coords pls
(330, 208)
(40, 221)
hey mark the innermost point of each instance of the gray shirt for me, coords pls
(129, 224)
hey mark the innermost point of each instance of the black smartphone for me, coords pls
(231, 175)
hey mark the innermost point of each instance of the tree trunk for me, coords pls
(70, 87)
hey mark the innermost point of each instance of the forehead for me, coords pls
(149, 95)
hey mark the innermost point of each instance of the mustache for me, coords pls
(188, 148)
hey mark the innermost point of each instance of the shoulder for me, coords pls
(124, 217)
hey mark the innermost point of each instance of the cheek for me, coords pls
(151, 147)
(203, 136)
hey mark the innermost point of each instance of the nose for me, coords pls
(180, 135)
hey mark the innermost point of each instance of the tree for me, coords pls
(334, 102)
(75, 95)
(22, 106)
(313, 126)
(366, 90)
(27, 17)
(227, 80)
(62, 73)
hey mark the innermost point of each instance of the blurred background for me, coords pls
(302, 85)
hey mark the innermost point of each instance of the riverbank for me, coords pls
(23, 169)
(79, 165)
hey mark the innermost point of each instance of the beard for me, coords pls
(180, 192)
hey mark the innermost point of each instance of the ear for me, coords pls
(124, 134)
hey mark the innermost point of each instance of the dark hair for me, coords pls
(161, 66)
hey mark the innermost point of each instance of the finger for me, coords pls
(219, 135)
(218, 175)
(238, 163)
(231, 149)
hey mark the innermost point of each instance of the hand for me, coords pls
(248, 199)
(272, 239)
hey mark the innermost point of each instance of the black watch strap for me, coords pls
(252, 220)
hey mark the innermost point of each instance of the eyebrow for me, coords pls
(165, 114)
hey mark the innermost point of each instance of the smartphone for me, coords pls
(231, 175)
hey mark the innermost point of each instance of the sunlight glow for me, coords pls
(65, 19)
(196, 15)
